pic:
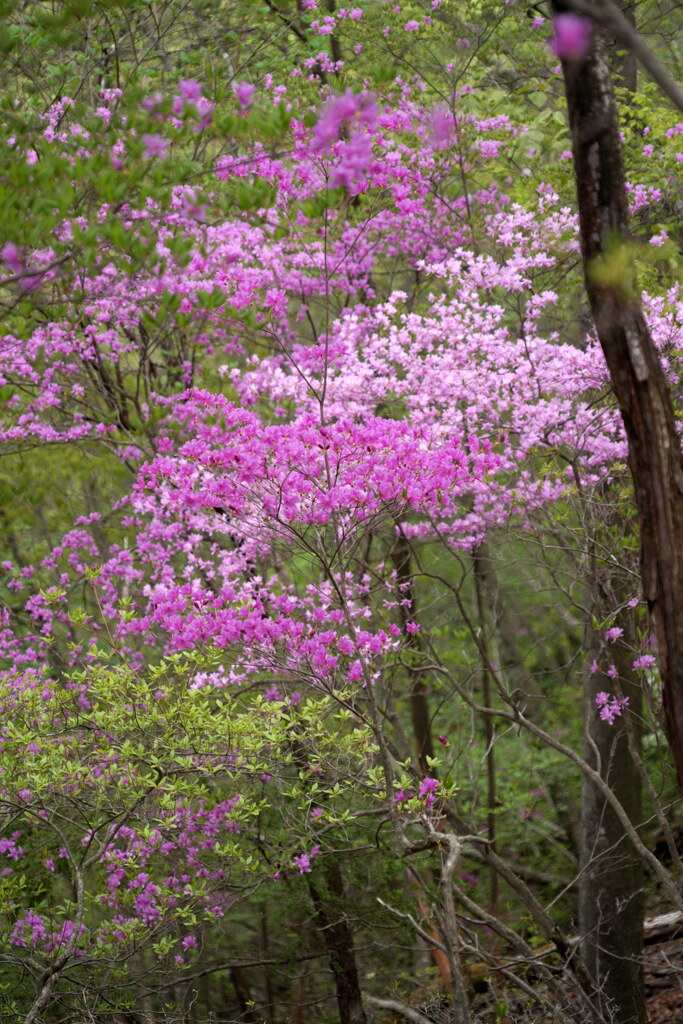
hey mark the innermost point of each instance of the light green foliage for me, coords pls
(137, 748)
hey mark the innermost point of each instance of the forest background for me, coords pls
(339, 675)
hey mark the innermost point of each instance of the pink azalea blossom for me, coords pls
(10, 256)
(244, 91)
(303, 862)
(610, 707)
(573, 34)
(428, 788)
(190, 90)
(155, 145)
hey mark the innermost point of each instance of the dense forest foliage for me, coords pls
(341, 560)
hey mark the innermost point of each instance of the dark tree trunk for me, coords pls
(419, 699)
(244, 997)
(637, 376)
(483, 571)
(611, 897)
(336, 931)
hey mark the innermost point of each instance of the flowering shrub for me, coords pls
(221, 713)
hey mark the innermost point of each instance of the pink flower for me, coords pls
(355, 671)
(412, 26)
(613, 634)
(572, 36)
(441, 124)
(337, 111)
(152, 102)
(244, 92)
(645, 661)
(610, 707)
(356, 158)
(428, 788)
(412, 627)
(154, 146)
(190, 90)
(303, 862)
(10, 256)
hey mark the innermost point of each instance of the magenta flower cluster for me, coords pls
(610, 707)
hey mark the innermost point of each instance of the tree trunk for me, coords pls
(481, 565)
(421, 718)
(243, 993)
(336, 931)
(637, 376)
(611, 897)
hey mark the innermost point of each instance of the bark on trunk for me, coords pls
(611, 897)
(244, 997)
(637, 376)
(419, 699)
(336, 931)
